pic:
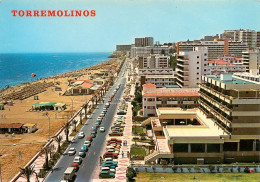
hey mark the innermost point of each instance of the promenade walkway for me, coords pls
(123, 160)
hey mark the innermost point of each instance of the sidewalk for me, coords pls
(123, 161)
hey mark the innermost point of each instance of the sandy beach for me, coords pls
(30, 143)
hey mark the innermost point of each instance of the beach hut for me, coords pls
(44, 106)
(60, 106)
(11, 128)
(30, 127)
(2, 107)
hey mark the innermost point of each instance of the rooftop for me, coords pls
(11, 125)
(172, 92)
(233, 81)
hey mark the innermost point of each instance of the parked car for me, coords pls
(81, 135)
(109, 164)
(82, 153)
(72, 151)
(93, 128)
(106, 174)
(110, 154)
(87, 143)
(102, 129)
(77, 159)
(115, 139)
(84, 147)
(75, 165)
(89, 138)
(110, 159)
(93, 134)
(97, 123)
(102, 115)
(107, 169)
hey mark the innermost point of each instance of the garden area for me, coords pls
(138, 152)
(137, 102)
(194, 177)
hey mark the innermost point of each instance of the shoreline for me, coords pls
(91, 59)
(62, 75)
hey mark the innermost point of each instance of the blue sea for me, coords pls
(17, 68)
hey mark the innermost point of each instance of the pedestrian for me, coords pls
(128, 154)
(100, 160)
(126, 143)
(122, 154)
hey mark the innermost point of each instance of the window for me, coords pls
(198, 62)
(205, 64)
(205, 70)
(197, 78)
(197, 73)
(198, 68)
(198, 57)
(205, 54)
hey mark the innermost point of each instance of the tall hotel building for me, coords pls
(191, 66)
(216, 48)
(250, 37)
(143, 42)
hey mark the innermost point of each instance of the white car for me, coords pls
(72, 151)
(102, 129)
(110, 159)
(107, 169)
(77, 159)
(81, 135)
(88, 143)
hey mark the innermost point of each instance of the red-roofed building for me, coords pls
(225, 64)
(167, 97)
(80, 87)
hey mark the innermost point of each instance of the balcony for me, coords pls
(216, 113)
(218, 94)
(172, 102)
(188, 102)
(216, 103)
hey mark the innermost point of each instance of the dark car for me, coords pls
(93, 134)
(94, 128)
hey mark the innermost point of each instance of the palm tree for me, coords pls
(66, 130)
(27, 172)
(58, 139)
(47, 150)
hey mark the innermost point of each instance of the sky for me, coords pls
(119, 22)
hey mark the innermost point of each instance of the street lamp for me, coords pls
(47, 114)
(72, 99)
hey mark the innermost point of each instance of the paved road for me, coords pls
(92, 158)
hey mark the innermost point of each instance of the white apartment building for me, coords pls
(251, 59)
(225, 64)
(146, 51)
(216, 48)
(250, 37)
(191, 66)
(160, 81)
(153, 61)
